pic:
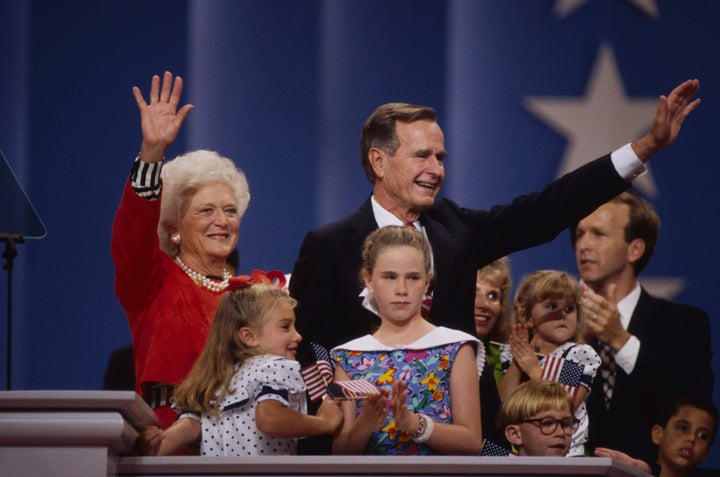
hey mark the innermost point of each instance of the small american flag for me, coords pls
(319, 373)
(562, 371)
(491, 449)
(352, 389)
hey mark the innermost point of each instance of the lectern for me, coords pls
(91, 433)
(69, 433)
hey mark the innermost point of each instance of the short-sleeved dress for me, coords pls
(425, 365)
(579, 353)
(234, 432)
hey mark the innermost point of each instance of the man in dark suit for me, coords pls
(652, 349)
(403, 154)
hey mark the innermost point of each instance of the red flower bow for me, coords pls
(272, 277)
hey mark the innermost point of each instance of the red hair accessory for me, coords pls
(272, 277)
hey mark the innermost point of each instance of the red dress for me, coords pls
(169, 314)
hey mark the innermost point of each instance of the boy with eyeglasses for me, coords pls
(537, 419)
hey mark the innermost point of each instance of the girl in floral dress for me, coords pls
(428, 376)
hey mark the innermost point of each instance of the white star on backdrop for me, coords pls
(604, 119)
(601, 121)
(663, 287)
(563, 8)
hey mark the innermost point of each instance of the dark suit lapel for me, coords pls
(441, 243)
(361, 223)
(639, 322)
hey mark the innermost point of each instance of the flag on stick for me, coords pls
(352, 389)
(319, 373)
(491, 449)
(562, 371)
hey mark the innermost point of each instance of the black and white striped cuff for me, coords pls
(145, 178)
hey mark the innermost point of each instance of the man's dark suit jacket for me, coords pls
(674, 359)
(326, 277)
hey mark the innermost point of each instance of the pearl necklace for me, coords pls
(202, 280)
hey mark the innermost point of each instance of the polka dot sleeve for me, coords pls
(280, 378)
(263, 376)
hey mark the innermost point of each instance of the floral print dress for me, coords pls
(425, 365)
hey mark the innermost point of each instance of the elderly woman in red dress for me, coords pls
(175, 228)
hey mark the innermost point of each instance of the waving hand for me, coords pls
(160, 120)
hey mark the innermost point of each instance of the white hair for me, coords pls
(184, 176)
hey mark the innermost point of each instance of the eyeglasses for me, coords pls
(548, 425)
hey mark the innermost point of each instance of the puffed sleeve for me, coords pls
(585, 355)
(189, 415)
(281, 378)
(506, 358)
(264, 377)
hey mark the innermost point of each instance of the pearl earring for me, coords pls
(175, 238)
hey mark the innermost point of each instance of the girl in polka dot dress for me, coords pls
(546, 323)
(245, 395)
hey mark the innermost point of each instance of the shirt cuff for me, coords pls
(190, 415)
(628, 354)
(627, 164)
(145, 178)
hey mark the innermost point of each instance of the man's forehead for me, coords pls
(420, 133)
(610, 213)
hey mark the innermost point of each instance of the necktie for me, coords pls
(608, 371)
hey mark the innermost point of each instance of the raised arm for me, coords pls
(671, 112)
(524, 360)
(160, 120)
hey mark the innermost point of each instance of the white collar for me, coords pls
(627, 305)
(437, 336)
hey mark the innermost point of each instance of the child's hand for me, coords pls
(404, 419)
(624, 458)
(523, 351)
(149, 440)
(374, 411)
(330, 412)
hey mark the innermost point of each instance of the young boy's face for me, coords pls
(685, 440)
(536, 436)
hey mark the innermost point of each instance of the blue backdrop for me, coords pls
(524, 88)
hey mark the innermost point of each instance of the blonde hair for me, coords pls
(211, 374)
(184, 176)
(530, 399)
(497, 274)
(542, 285)
(392, 236)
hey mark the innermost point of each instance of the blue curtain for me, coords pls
(283, 87)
